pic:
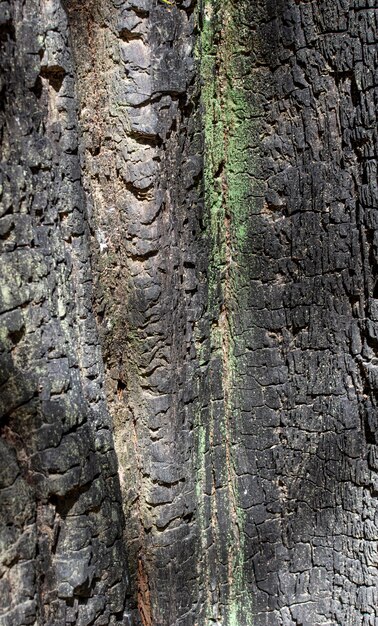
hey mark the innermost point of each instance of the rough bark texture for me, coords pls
(299, 300)
(189, 313)
(62, 552)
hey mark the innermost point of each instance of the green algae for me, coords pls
(231, 121)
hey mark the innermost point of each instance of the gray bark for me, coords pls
(62, 553)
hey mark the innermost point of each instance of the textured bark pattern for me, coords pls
(306, 347)
(288, 439)
(62, 555)
(213, 167)
(141, 165)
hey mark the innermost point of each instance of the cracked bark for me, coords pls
(188, 313)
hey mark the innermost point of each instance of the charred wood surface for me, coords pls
(188, 313)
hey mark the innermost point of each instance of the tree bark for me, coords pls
(189, 313)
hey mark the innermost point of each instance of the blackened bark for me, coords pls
(188, 268)
(62, 554)
(307, 341)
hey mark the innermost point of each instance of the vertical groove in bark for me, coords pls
(228, 126)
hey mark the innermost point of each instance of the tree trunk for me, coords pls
(189, 313)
